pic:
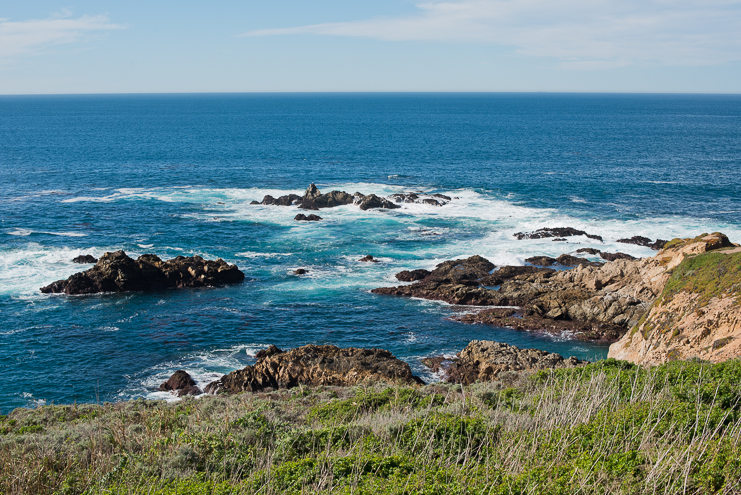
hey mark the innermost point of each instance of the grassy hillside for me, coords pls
(610, 427)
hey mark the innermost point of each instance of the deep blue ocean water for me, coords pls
(174, 174)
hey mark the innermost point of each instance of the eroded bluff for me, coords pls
(698, 312)
(593, 302)
(315, 365)
(117, 272)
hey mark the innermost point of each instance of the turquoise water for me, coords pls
(174, 175)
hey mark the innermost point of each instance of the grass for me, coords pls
(609, 427)
(710, 275)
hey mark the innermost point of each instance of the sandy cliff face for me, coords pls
(698, 309)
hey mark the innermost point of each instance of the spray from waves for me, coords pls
(203, 366)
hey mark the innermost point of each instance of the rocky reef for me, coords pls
(313, 199)
(117, 272)
(484, 360)
(698, 312)
(315, 365)
(181, 384)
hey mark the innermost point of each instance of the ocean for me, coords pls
(175, 175)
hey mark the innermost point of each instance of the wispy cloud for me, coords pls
(581, 34)
(19, 38)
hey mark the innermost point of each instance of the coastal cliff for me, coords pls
(697, 314)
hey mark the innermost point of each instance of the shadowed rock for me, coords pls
(117, 272)
(412, 275)
(555, 232)
(372, 201)
(315, 365)
(300, 271)
(307, 218)
(85, 259)
(645, 242)
(181, 383)
(368, 259)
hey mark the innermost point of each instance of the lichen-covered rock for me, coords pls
(316, 365)
(484, 360)
(117, 272)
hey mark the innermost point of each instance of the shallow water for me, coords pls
(175, 175)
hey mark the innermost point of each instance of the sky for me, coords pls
(164, 46)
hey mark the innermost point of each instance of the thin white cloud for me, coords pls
(580, 33)
(18, 38)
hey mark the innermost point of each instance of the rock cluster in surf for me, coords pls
(313, 199)
(117, 272)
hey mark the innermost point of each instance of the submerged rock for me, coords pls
(117, 272)
(315, 365)
(181, 383)
(85, 259)
(300, 271)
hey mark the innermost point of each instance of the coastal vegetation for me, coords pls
(607, 427)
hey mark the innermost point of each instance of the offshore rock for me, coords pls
(697, 315)
(300, 271)
(286, 200)
(181, 383)
(316, 365)
(117, 272)
(85, 259)
(307, 218)
(554, 232)
(645, 242)
(372, 201)
(412, 275)
(312, 192)
(368, 259)
(484, 360)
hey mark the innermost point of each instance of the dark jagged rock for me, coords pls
(616, 256)
(85, 259)
(607, 256)
(272, 350)
(404, 198)
(368, 259)
(372, 201)
(485, 360)
(442, 196)
(511, 318)
(253, 202)
(555, 232)
(505, 273)
(117, 272)
(300, 271)
(412, 275)
(638, 240)
(181, 383)
(559, 239)
(461, 271)
(286, 200)
(329, 200)
(316, 365)
(563, 260)
(307, 218)
(311, 192)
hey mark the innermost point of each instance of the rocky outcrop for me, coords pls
(368, 258)
(638, 240)
(563, 260)
(85, 259)
(286, 200)
(307, 218)
(606, 256)
(117, 272)
(181, 384)
(431, 199)
(590, 302)
(300, 271)
(315, 365)
(485, 360)
(698, 312)
(372, 201)
(558, 232)
(412, 275)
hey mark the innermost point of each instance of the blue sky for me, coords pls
(165, 46)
